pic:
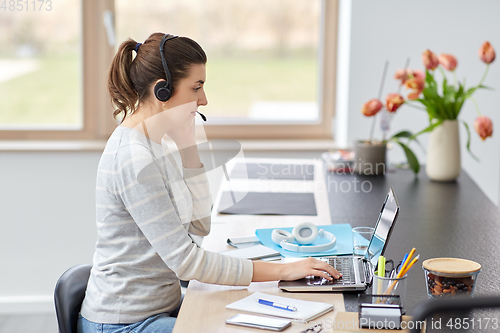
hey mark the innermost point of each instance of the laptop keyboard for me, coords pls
(343, 265)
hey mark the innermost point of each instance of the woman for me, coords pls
(146, 210)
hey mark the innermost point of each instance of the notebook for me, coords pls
(273, 171)
(357, 271)
(268, 203)
(306, 310)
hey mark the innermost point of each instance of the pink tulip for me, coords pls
(483, 127)
(372, 107)
(393, 102)
(448, 61)
(401, 74)
(486, 53)
(418, 74)
(429, 59)
(410, 74)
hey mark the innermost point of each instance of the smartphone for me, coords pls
(265, 323)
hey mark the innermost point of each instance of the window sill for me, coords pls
(97, 145)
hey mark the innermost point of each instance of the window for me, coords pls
(270, 71)
(265, 65)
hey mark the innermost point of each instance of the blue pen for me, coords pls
(277, 306)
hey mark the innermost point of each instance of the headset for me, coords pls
(163, 89)
(303, 233)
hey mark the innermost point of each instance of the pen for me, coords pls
(277, 306)
(404, 260)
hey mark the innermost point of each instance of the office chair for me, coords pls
(68, 296)
(426, 308)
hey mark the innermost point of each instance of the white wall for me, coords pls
(375, 31)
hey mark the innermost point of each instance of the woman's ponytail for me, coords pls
(120, 86)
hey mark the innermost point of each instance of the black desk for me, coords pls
(439, 219)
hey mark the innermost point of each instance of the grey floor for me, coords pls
(29, 323)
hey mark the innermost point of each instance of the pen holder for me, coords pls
(388, 287)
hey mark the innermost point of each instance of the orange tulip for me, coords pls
(448, 61)
(429, 59)
(393, 102)
(483, 127)
(486, 53)
(417, 84)
(372, 107)
(414, 95)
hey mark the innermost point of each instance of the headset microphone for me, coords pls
(202, 116)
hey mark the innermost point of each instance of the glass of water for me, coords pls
(361, 239)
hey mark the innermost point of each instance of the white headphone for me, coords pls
(303, 233)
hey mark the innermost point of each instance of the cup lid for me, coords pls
(451, 265)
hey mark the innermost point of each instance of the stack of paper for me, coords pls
(252, 252)
(306, 310)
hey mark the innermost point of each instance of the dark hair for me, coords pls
(129, 80)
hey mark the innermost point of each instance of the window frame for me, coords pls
(98, 122)
(96, 54)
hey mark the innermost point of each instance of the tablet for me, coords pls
(265, 323)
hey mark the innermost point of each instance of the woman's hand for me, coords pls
(267, 271)
(183, 136)
(310, 266)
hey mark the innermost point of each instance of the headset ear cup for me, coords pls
(162, 93)
(305, 233)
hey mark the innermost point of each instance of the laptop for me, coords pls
(357, 271)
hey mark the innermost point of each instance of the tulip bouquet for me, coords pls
(442, 102)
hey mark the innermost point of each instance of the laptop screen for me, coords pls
(386, 218)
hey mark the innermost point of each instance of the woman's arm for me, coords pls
(197, 183)
(268, 271)
(190, 156)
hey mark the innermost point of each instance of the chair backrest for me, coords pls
(68, 296)
(431, 306)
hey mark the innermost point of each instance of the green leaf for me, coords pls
(427, 129)
(468, 141)
(429, 78)
(471, 90)
(406, 134)
(410, 156)
(402, 134)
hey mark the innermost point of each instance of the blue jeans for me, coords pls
(160, 323)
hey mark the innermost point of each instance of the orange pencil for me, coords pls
(411, 264)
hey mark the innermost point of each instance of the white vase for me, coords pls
(443, 153)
